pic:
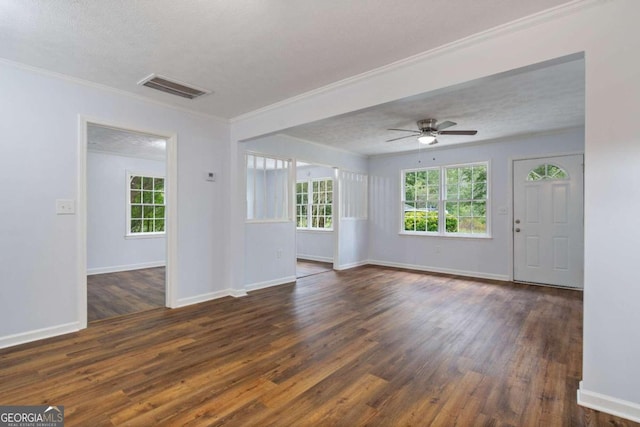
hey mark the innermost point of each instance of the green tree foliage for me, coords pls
(428, 221)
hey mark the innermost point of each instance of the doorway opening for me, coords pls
(127, 215)
(316, 214)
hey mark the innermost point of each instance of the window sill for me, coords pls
(145, 236)
(315, 230)
(447, 236)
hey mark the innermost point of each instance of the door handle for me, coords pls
(517, 230)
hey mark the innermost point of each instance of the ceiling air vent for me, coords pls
(173, 87)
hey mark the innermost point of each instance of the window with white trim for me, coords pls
(267, 188)
(314, 204)
(447, 200)
(145, 204)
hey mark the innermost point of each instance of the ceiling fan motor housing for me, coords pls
(427, 125)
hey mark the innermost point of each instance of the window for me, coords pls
(302, 204)
(268, 188)
(146, 205)
(547, 172)
(448, 200)
(314, 204)
(421, 200)
(466, 199)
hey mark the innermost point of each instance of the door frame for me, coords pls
(171, 275)
(335, 208)
(510, 200)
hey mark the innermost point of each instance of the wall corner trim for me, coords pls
(351, 265)
(38, 334)
(238, 293)
(610, 405)
(269, 283)
(183, 302)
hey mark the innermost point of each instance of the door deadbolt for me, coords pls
(517, 230)
(517, 221)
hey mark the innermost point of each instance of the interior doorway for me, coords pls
(548, 235)
(127, 209)
(316, 217)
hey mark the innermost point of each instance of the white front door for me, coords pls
(548, 220)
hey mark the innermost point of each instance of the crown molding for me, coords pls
(509, 27)
(463, 145)
(323, 146)
(99, 86)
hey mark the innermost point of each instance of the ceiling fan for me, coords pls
(429, 129)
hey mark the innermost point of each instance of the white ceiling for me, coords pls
(541, 98)
(109, 140)
(251, 53)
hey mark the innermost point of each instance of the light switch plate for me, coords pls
(65, 207)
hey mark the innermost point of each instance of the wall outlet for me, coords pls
(279, 253)
(437, 249)
(211, 176)
(65, 207)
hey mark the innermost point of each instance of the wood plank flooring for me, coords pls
(368, 346)
(306, 268)
(125, 292)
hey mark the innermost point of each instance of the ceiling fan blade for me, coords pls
(445, 124)
(402, 137)
(406, 130)
(458, 132)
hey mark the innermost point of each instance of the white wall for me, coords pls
(353, 223)
(608, 34)
(315, 245)
(269, 249)
(479, 257)
(39, 164)
(107, 248)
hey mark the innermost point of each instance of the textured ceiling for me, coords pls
(251, 53)
(536, 99)
(104, 139)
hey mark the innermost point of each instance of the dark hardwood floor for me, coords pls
(306, 268)
(368, 346)
(125, 292)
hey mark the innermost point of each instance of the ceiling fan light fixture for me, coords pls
(426, 139)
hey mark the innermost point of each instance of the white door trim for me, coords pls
(510, 183)
(81, 211)
(510, 201)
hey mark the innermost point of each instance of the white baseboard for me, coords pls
(476, 274)
(182, 302)
(38, 334)
(237, 293)
(351, 265)
(610, 405)
(269, 283)
(314, 258)
(117, 268)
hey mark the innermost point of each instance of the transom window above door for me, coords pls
(547, 172)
